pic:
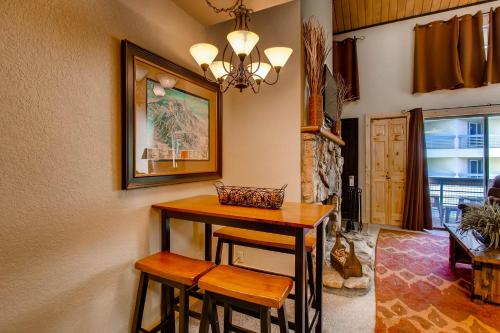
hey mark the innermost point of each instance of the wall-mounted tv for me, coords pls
(329, 98)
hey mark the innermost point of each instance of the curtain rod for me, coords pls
(457, 107)
(356, 38)
(444, 21)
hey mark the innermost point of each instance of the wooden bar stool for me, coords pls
(243, 290)
(266, 241)
(173, 271)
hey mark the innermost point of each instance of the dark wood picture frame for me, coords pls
(129, 52)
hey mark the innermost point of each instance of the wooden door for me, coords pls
(388, 167)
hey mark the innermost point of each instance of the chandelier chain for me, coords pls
(225, 10)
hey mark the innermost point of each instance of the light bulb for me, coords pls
(158, 90)
(278, 56)
(259, 73)
(140, 73)
(220, 69)
(167, 81)
(242, 42)
(204, 54)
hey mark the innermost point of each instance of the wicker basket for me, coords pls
(259, 197)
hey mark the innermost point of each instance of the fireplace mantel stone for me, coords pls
(322, 165)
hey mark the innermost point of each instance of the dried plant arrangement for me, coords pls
(342, 94)
(484, 222)
(316, 51)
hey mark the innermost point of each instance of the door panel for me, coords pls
(379, 158)
(379, 171)
(379, 201)
(388, 156)
(397, 202)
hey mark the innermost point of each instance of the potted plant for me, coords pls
(484, 223)
(315, 50)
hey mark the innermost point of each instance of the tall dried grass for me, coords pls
(316, 51)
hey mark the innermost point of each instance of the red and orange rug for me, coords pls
(417, 291)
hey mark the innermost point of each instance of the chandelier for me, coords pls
(240, 66)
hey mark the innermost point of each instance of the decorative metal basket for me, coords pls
(258, 197)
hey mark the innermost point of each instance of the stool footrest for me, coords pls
(239, 329)
(156, 328)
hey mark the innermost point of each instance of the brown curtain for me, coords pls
(436, 60)
(417, 208)
(493, 64)
(471, 50)
(345, 63)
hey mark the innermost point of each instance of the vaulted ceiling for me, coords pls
(351, 15)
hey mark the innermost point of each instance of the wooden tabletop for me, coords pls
(477, 250)
(291, 214)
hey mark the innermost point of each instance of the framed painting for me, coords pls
(172, 122)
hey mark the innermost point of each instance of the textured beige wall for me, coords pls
(262, 131)
(68, 234)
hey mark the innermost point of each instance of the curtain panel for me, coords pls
(417, 206)
(345, 63)
(449, 54)
(471, 50)
(436, 61)
(493, 64)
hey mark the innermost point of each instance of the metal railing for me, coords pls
(460, 141)
(440, 141)
(446, 193)
(471, 141)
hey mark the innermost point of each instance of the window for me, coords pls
(475, 128)
(475, 134)
(476, 168)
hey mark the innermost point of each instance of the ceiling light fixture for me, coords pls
(241, 67)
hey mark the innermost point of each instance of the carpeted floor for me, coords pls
(417, 291)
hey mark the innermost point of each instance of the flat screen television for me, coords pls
(329, 103)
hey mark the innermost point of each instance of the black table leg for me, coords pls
(320, 248)
(208, 242)
(300, 299)
(165, 246)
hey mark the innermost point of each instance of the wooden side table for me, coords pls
(464, 248)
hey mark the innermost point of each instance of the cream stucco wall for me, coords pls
(262, 131)
(68, 234)
(385, 60)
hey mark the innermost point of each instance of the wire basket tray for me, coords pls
(259, 197)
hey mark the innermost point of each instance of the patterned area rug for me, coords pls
(417, 291)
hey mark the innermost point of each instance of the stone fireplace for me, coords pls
(322, 166)
(321, 183)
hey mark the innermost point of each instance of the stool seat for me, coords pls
(254, 287)
(263, 238)
(174, 267)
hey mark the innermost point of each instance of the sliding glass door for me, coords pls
(459, 152)
(493, 148)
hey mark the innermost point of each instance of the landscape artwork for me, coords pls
(172, 122)
(177, 123)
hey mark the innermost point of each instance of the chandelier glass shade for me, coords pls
(241, 65)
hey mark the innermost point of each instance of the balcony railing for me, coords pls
(471, 141)
(460, 141)
(446, 193)
(440, 141)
